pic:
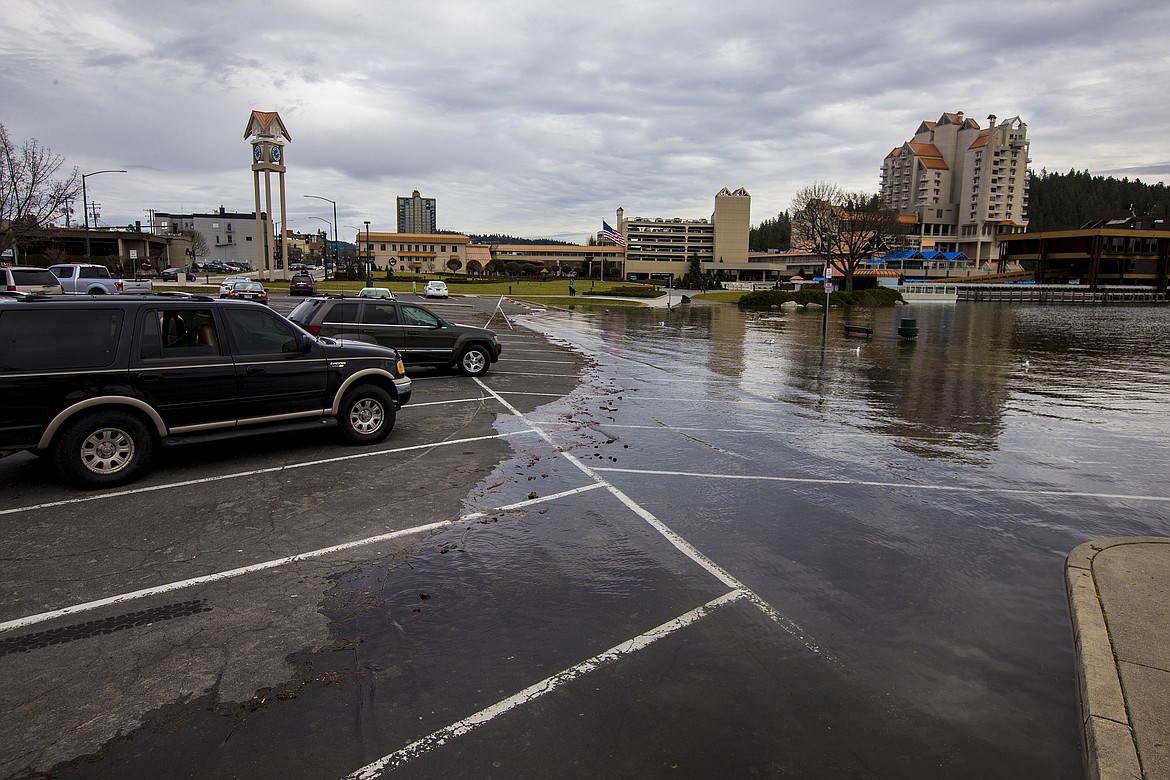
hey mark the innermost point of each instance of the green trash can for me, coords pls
(908, 328)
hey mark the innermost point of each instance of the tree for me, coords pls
(454, 265)
(30, 196)
(198, 247)
(772, 234)
(845, 227)
(865, 228)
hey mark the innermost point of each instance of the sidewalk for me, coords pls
(1119, 601)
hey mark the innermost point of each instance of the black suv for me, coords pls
(99, 382)
(422, 337)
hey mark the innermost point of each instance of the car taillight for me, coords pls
(315, 330)
(12, 288)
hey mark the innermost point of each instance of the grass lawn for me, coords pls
(518, 288)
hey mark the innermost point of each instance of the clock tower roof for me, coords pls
(266, 123)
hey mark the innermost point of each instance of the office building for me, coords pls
(658, 247)
(230, 235)
(964, 184)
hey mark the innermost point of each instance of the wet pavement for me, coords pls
(692, 543)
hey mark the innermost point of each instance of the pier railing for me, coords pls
(1059, 293)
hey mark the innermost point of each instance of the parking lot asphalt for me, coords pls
(141, 622)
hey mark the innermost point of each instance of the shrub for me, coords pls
(766, 299)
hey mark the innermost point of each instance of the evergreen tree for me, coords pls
(1066, 201)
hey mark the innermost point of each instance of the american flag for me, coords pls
(610, 234)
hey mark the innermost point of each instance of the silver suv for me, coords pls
(30, 279)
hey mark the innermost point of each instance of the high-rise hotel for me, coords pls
(964, 184)
(416, 214)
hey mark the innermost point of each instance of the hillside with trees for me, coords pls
(1059, 201)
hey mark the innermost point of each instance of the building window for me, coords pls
(383, 249)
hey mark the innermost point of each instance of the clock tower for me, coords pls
(268, 134)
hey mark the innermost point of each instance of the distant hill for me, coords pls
(1059, 201)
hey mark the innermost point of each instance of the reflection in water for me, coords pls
(975, 371)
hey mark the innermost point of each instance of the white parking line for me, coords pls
(870, 483)
(121, 598)
(536, 690)
(253, 472)
(681, 544)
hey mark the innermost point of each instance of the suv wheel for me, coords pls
(104, 449)
(474, 361)
(366, 415)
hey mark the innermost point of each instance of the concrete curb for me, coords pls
(1107, 733)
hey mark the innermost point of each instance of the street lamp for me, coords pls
(324, 253)
(828, 285)
(327, 200)
(85, 206)
(369, 260)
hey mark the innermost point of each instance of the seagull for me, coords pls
(769, 341)
(1027, 363)
(857, 350)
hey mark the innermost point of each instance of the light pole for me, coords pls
(327, 200)
(369, 260)
(828, 286)
(324, 254)
(85, 206)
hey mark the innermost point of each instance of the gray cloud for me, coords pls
(542, 118)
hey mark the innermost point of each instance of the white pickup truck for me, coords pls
(85, 279)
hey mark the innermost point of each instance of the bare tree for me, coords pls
(30, 196)
(815, 218)
(199, 248)
(866, 228)
(847, 227)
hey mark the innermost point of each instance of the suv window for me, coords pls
(86, 338)
(381, 314)
(172, 333)
(416, 316)
(24, 277)
(256, 332)
(343, 313)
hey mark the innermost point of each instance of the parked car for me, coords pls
(422, 337)
(435, 289)
(250, 291)
(229, 284)
(29, 279)
(302, 284)
(170, 274)
(99, 384)
(375, 292)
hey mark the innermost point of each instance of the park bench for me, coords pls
(858, 329)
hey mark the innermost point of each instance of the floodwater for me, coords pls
(905, 507)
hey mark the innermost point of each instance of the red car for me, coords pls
(250, 291)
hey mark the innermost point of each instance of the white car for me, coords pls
(435, 289)
(229, 284)
(375, 292)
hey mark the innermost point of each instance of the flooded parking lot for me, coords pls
(690, 543)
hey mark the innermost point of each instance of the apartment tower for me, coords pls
(964, 184)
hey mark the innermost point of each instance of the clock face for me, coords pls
(257, 153)
(276, 154)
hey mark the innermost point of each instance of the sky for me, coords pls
(540, 119)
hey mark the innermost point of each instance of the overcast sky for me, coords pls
(540, 119)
